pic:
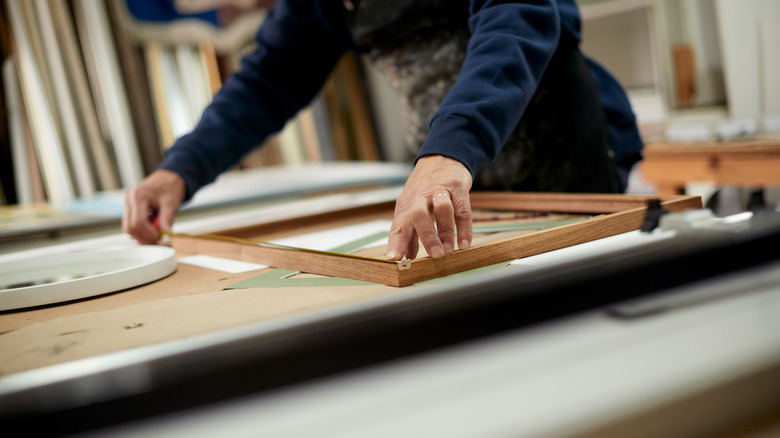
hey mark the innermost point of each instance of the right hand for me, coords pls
(159, 195)
(433, 205)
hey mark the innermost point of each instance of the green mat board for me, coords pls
(287, 278)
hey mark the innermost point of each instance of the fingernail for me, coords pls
(392, 255)
(437, 252)
(464, 244)
(447, 247)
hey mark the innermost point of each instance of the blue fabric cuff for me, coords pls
(457, 137)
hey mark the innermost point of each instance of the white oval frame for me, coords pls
(120, 269)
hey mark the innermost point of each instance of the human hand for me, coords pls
(434, 202)
(159, 195)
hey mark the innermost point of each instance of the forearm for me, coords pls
(508, 52)
(294, 55)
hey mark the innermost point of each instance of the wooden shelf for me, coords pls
(753, 162)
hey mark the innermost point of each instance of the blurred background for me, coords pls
(94, 92)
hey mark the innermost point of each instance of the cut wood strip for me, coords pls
(35, 35)
(359, 112)
(291, 142)
(319, 111)
(139, 96)
(403, 274)
(309, 135)
(154, 61)
(179, 113)
(77, 75)
(209, 59)
(196, 92)
(41, 119)
(74, 140)
(562, 202)
(111, 84)
(93, 78)
(336, 119)
(19, 155)
(39, 188)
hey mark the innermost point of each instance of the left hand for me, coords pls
(434, 203)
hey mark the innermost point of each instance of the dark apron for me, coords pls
(561, 143)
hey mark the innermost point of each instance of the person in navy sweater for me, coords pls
(497, 97)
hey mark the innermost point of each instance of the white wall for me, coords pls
(621, 43)
(750, 45)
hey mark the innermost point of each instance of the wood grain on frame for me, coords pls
(617, 214)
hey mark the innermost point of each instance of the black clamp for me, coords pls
(653, 215)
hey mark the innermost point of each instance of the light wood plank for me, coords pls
(753, 162)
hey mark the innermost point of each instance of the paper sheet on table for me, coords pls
(220, 264)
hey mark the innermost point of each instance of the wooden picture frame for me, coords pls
(615, 214)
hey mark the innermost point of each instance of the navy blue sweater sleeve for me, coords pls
(296, 49)
(510, 46)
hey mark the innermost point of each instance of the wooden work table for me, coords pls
(189, 302)
(589, 372)
(745, 163)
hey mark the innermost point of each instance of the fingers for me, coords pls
(402, 240)
(413, 247)
(444, 214)
(463, 220)
(156, 199)
(434, 207)
(423, 222)
(165, 216)
(136, 219)
(431, 221)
